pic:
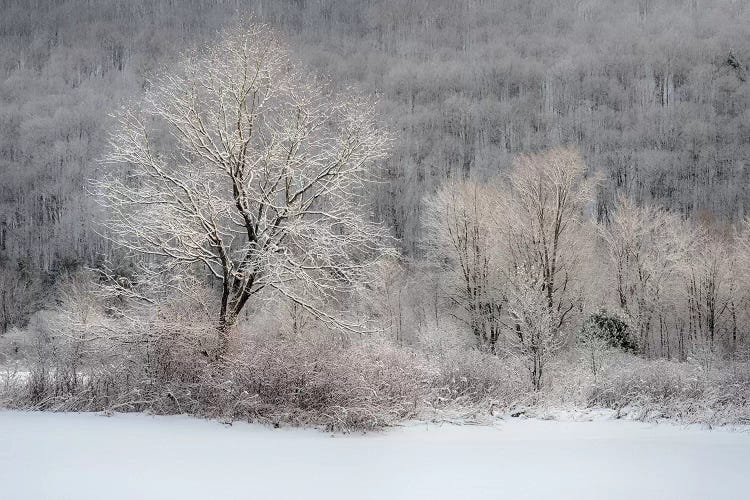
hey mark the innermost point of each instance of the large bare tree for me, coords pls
(543, 225)
(463, 238)
(243, 163)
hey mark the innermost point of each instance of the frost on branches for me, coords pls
(243, 164)
(511, 250)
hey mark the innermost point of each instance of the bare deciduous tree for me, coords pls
(543, 224)
(548, 195)
(710, 285)
(647, 248)
(512, 251)
(459, 221)
(242, 163)
(535, 336)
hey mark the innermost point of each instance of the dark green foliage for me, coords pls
(609, 328)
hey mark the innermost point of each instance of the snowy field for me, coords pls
(85, 456)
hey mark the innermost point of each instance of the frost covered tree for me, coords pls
(543, 223)
(536, 335)
(459, 220)
(242, 163)
(647, 247)
(547, 198)
(511, 250)
(711, 294)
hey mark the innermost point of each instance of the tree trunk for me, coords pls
(224, 332)
(536, 373)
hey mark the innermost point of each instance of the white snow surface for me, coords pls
(72, 456)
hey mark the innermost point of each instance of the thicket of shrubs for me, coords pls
(340, 383)
(655, 389)
(320, 380)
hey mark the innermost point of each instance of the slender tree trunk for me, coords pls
(5, 321)
(536, 373)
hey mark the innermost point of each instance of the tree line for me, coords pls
(238, 179)
(527, 268)
(250, 276)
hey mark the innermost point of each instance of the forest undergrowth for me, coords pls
(340, 384)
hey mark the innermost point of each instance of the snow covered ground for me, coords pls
(85, 456)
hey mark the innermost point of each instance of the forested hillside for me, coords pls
(349, 213)
(654, 93)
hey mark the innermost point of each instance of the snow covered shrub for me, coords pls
(569, 379)
(95, 352)
(104, 352)
(727, 397)
(474, 377)
(65, 375)
(446, 337)
(632, 381)
(667, 389)
(320, 381)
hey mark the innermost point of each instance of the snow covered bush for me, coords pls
(728, 397)
(477, 378)
(650, 389)
(632, 381)
(100, 352)
(160, 364)
(569, 380)
(321, 381)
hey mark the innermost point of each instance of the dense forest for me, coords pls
(653, 92)
(346, 213)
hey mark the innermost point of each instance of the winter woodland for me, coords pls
(348, 214)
